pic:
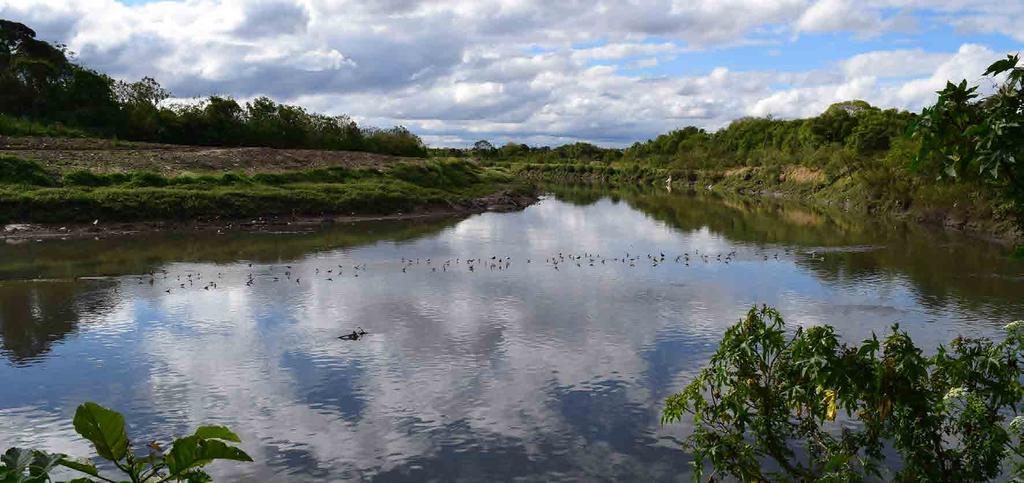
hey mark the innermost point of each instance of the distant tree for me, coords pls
(147, 92)
(876, 129)
(838, 122)
(140, 104)
(29, 68)
(511, 150)
(39, 83)
(483, 145)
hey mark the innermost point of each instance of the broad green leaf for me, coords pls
(17, 461)
(42, 463)
(104, 428)
(1002, 65)
(79, 464)
(216, 432)
(191, 452)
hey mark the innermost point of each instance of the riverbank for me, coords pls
(502, 201)
(894, 193)
(64, 188)
(78, 187)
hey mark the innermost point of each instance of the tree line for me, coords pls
(964, 138)
(40, 84)
(854, 125)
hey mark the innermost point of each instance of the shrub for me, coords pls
(21, 171)
(773, 398)
(182, 460)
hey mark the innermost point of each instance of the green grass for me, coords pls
(29, 193)
(14, 126)
(16, 171)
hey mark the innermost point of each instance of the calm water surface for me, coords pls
(524, 372)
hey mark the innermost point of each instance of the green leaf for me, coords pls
(192, 452)
(80, 464)
(1002, 65)
(42, 463)
(216, 432)
(104, 428)
(951, 170)
(17, 461)
(196, 476)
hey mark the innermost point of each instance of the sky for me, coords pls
(540, 71)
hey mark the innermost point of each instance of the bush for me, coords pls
(20, 171)
(83, 177)
(818, 409)
(12, 126)
(183, 459)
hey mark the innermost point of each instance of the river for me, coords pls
(518, 368)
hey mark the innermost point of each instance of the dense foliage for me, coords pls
(780, 404)
(576, 152)
(967, 137)
(41, 91)
(853, 126)
(183, 460)
(852, 155)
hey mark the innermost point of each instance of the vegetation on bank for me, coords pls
(776, 404)
(43, 93)
(30, 193)
(853, 155)
(957, 162)
(963, 136)
(182, 460)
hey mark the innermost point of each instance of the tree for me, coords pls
(818, 409)
(28, 69)
(483, 145)
(39, 84)
(838, 122)
(876, 129)
(963, 136)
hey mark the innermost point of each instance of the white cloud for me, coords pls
(624, 50)
(893, 63)
(837, 15)
(522, 70)
(859, 82)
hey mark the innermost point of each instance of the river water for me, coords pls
(514, 369)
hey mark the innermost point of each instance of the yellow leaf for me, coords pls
(830, 403)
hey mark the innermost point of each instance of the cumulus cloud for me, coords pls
(272, 18)
(837, 15)
(523, 70)
(893, 63)
(864, 80)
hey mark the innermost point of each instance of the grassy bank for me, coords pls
(877, 189)
(31, 193)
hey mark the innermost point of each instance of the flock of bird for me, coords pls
(273, 274)
(285, 273)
